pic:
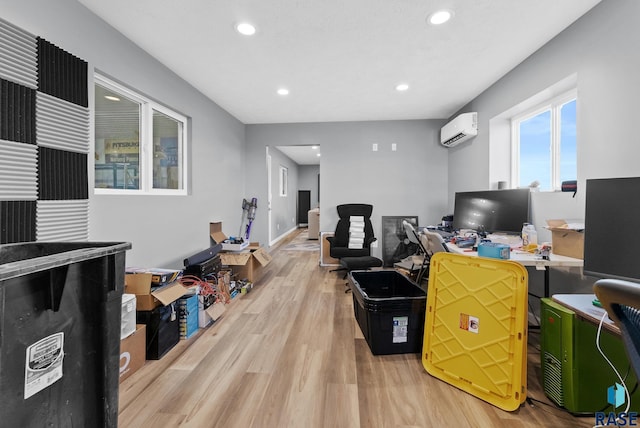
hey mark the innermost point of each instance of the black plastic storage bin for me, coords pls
(163, 329)
(60, 333)
(390, 309)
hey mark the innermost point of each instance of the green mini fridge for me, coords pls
(574, 373)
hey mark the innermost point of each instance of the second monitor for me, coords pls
(502, 211)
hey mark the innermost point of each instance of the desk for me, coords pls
(529, 259)
(582, 305)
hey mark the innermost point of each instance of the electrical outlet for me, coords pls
(374, 147)
(394, 147)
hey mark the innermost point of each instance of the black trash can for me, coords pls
(60, 333)
(390, 309)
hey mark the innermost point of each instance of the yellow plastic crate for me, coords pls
(475, 334)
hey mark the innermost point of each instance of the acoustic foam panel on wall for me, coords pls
(61, 124)
(61, 74)
(18, 55)
(17, 112)
(62, 220)
(62, 175)
(17, 221)
(44, 140)
(18, 171)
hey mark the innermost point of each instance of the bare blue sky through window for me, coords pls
(536, 150)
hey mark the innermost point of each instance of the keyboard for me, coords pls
(445, 235)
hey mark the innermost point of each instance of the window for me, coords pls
(284, 176)
(140, 146)
(544, 144)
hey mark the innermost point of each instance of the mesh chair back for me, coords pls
(621, 299)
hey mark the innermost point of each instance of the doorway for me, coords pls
(304, 205)
(303, 178)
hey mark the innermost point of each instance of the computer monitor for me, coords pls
(502, 211)
(612, 228)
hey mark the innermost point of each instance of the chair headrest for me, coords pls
(410, 231)
(347, 210)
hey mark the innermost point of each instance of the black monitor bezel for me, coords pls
(517, 195)
(611, 205)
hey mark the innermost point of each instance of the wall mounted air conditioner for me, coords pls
(460, 129)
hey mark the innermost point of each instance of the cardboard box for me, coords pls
(247, 264)
(158, 276)
(215, 232)
(204, 302)
(188, 315)
(132, 352)
(325, 258)
(566, 239)
(148, 297)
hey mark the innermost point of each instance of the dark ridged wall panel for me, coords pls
(61, 74)
(17, 221)
(62, 175)
(17, 113)
(44, 140)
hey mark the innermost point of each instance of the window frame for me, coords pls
(147, 107)
(554, 105)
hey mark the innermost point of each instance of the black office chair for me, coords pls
(353, 249)
(621, 299)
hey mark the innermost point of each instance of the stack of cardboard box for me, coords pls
(246, 260)
(156, 292)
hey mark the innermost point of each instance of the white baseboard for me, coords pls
(284, 235)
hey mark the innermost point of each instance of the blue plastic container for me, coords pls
(494, 250)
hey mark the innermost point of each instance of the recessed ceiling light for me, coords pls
(283, 91)
(246, 29)
(440, 17)
(112, 98)
(402, 87)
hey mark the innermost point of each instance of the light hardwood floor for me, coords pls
(290, 354)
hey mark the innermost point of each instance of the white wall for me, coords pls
(409, 181)
(163, 230)
(283, 208)
(421, 177)
(600, 49)
(308, 180)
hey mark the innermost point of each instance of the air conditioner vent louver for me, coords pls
(453, 141)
